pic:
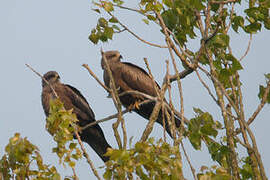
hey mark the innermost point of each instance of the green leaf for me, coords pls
(115, 27)
(221, 40)
(118, 2)
(267, 23)
(145, 21)
(267, 76)
(195, 139)
(237, 21)
(113, 20)
(150, 17)
(96, 10)
(253, 27)
(261, 93)
(102, 22)
(235, 66)
(108, 32)
(197, 4)
(94, 38)
(168, 3)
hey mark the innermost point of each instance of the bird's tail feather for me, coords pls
(95, 138)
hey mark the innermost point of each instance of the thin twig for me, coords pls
(189, 162)
(131, 32)
(158, 95)
(95, 77)
(112, 116)
(248, 48)
(86, 155)
(207, 88)
(252, 151)
(171, 48)
(223, 2)
(117, 104)
(54, 92)
(259, 108)
(128, 8)
(170, 100)
(181, 75)
(74, 173)
(152, 120)
(178, 114)
(231, 19)
(221, 87)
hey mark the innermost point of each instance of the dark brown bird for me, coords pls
(128, 77)
(73, 99)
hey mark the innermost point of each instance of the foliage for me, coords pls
(60, 124)
(262, 89)
(214, 173)
(147, 160)
(23, 161)
(202, 127)
(209, 22)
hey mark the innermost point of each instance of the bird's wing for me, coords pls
(79, 100)
(45, 100)
(133, 77)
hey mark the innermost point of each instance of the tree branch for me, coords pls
(54, 92)
(259, 108)
(86, 155)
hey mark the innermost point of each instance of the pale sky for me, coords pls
(53, 35)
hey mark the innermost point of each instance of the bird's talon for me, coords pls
(134, 106)
(137, 105)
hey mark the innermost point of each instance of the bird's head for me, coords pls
(51, 77)
(111, 56)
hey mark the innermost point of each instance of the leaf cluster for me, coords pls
(147, 160)
(60, 124)
(22, 160)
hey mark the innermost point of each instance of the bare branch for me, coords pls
(259, 108)
(207, 88)
(54, 92)
(223, 2)
(95, 77)
(187, 158)
(74, 173)
(128, 8)
(231, 17)
(152, 120)
(170, 101)
(248, 48)
(117, 104)
(86, 155)
(181, 75)
(255, 158)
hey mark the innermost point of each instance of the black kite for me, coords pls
(73, 99)
(129, 77)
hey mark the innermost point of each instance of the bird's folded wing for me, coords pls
(79, 101)
(135, 78)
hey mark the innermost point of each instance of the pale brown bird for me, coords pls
(73, 99)
(128, 77)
